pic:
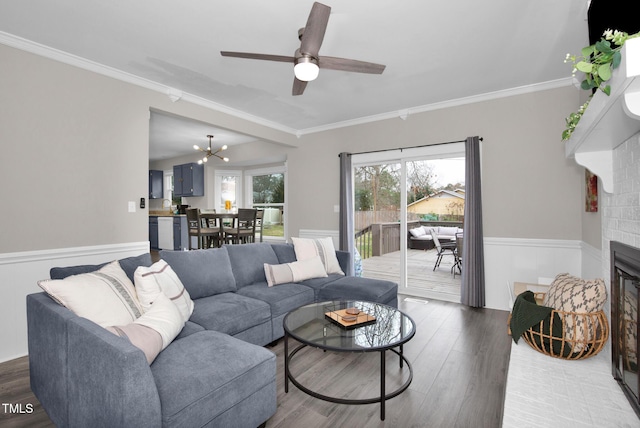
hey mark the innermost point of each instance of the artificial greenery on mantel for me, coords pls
(597, 63)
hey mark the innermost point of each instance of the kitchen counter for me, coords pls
(164, 213)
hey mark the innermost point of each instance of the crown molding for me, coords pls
(405, 113)
(105, 70)
(176, 95)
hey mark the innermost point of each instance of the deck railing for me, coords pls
(381, 238)
(363, 242)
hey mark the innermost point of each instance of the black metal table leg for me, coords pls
(286, 362)
(401, 359)
(383, 371)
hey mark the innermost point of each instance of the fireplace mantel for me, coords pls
(611, 120)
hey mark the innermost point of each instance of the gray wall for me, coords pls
(530, 190)
(75, 151)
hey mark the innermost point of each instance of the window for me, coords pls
(266, 190)
(228, 190)
(168, 189)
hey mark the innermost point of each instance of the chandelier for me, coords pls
(208, 152)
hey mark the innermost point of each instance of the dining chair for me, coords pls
(244, 227)
(206, 235)
(259, 223)
(442, 248)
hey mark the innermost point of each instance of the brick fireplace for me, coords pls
(607, 142)
(625, 287)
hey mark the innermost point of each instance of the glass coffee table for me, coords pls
(349, 326)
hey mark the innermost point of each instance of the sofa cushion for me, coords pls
(205, 374)
(230, 313)
(294, 271)
(318, 283)
(106, 296)
(307, 248)
(284, 252)
(189, 328)
(282, 299)
(161, 279)
(128, 264)
(247, 262)
(203, 272)
(357, 288)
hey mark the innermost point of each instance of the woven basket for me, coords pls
(571, 346)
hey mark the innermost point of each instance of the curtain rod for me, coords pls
(407, 148)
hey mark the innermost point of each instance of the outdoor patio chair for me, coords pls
(458, 255)
(442, 248)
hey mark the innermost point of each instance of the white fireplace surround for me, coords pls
(611, 120)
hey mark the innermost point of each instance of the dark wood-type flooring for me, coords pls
(460, 358)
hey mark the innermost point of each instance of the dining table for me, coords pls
(220, 218)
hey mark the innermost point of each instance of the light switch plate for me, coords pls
(132, 206)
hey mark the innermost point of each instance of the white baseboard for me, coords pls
(19, 276)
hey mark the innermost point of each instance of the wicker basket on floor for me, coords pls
(574, 344)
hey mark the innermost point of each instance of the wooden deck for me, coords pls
(422, 280)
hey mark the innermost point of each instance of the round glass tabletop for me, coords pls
(350, 326)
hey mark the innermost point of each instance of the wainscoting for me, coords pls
(20, 273)
(506, 260)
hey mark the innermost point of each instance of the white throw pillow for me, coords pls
(155, 329)
(164, 317)
(418, 232)
(140, 336)
(306, 248)
(294, 271)
(160, 278)
(447, 231)
(106, 296)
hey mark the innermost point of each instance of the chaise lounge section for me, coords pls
(216, 372)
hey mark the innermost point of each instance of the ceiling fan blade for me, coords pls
(343, 64)
(314, 30)
(298, 86)
(266, 57)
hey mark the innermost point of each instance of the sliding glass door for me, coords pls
(377, 202)
(400, 196)
(434, 210)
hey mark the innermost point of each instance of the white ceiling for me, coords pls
(434, 51)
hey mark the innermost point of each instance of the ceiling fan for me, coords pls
(306, 60)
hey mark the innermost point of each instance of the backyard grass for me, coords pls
(273, 230)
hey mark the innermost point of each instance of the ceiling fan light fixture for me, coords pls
(306, 68)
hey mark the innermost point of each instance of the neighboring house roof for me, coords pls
(441, 194)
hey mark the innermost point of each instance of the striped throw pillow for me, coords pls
(306, 248)
(160, 278)
(106, 296)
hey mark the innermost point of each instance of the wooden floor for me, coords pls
(420, 274)
(460, 359)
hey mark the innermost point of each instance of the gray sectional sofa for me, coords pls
(217, 372)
